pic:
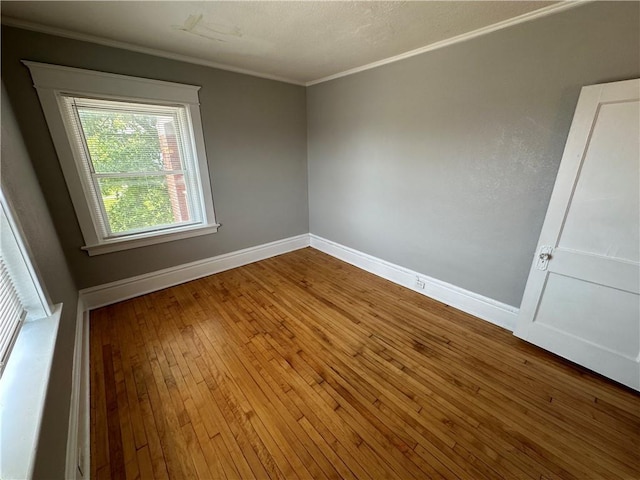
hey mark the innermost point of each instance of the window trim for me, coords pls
(51, 81)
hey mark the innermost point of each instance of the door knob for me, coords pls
(544, 256)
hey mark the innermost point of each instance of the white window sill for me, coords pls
(23, 389)
(150, 238)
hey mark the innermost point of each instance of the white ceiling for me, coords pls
(299, 42)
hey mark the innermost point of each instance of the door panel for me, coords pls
(566, 302)
(582, 296)
(599, 269)
(604, 211)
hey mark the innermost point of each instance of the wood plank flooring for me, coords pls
(302, 366)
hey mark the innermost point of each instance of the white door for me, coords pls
(582, 296)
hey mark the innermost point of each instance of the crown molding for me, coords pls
(60, 32)
(526, 17)
(543, 12)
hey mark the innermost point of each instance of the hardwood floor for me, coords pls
(302, 366)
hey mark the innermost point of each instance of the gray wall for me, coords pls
(255, 136)
(444, 163)
(20, 186)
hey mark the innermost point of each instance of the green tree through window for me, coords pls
(127, 159)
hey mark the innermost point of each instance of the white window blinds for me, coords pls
(12, 314)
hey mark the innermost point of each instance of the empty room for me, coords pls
(320, 239)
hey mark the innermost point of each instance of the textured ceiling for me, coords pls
(301, 41)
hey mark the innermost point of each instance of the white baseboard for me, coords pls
(120, 290)
(483, 307)
(78, 435)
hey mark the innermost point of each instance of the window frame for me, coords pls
(52, 82)
(89, 176)
(20, 274)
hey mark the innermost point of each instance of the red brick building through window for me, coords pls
(172, 162)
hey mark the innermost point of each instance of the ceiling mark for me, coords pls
(217, 32)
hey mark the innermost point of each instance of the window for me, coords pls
(29, 326)
(12, 314)
(20, 295)
(132, 152)
(136, 163)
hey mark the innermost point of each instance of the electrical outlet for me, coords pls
(420, 283)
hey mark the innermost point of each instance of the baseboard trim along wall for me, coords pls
(120, 290)
(483, 307)
(78, 440)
